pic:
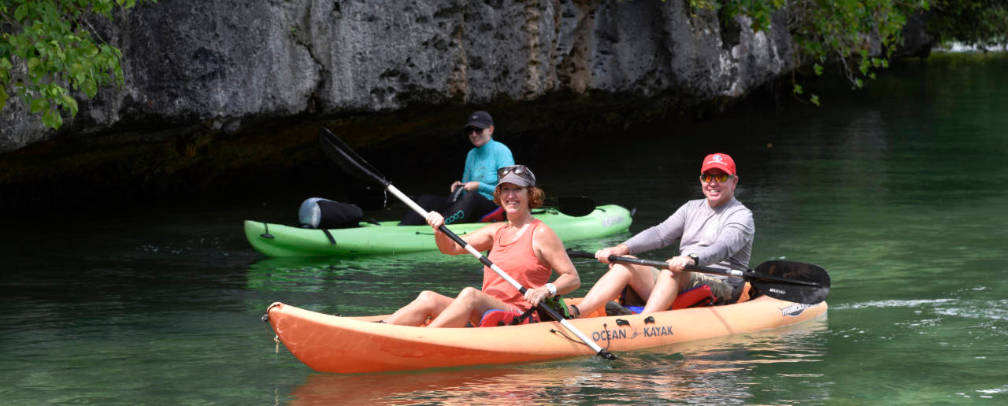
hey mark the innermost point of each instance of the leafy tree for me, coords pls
(982, 23)
(49, 48)
(860, 35)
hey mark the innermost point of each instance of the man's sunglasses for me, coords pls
(721, 178)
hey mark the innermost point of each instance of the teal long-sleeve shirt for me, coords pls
(482, 163)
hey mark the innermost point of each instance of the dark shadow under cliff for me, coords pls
(421, 147)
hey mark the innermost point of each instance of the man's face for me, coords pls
(717, 186)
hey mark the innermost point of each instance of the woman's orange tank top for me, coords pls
(518, 260)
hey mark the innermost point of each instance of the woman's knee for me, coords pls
(427, 298)
(468, 294)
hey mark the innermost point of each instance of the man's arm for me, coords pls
(736, 233)
(659, 236)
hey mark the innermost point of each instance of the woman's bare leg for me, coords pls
(468, 306)
(427, 304)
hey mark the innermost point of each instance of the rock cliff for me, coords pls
(227, 65)
(214, 85)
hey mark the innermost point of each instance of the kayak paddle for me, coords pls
(346, 158)
(786, 280)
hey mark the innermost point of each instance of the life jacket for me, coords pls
(497, 215)
(695, 297)
(699, 296)
(498, 317)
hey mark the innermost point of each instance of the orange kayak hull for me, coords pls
(328, 343)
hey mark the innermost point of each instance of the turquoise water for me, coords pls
(898, 191)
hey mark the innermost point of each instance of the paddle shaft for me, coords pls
(693, 268)
(486, 261)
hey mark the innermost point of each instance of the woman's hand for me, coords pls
(434, 219)
(537, 295)
(468, 186)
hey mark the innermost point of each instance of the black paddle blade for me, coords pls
(341, 153)
(795, 271)
(576, 206)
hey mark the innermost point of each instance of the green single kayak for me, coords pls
(388, 237)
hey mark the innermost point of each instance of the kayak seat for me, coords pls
(498, 317)
(695, 297)
(494, 216)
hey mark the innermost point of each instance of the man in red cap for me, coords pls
(715, 231)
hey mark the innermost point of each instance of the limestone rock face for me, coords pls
(224, 66)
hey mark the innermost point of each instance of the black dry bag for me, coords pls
(317, 212)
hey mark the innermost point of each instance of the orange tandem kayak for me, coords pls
(337, 344)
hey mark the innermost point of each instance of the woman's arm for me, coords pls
(550, 249)
(481, 239)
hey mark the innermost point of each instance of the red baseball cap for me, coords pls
(720, 161)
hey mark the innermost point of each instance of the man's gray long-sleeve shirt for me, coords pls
(721, 237)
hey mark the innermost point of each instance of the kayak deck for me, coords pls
(337, 344)
(388, 237)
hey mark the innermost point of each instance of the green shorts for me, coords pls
(723, 291)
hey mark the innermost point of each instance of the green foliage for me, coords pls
(759, 11)
(982, 23)
(48, 48)
(859, 35)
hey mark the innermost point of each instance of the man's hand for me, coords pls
(678, 264)
(603, 254)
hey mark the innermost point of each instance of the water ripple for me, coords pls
(890, 304)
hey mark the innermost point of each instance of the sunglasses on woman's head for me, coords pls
(515, 169)
(520, 170)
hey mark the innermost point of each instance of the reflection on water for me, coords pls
(469, 386)
(897, 190)
(721, 371)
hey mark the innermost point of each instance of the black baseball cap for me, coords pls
(479, 119)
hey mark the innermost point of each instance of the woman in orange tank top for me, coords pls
(524, 247)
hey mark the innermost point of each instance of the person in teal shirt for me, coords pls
(471, 197)
(485, 158)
